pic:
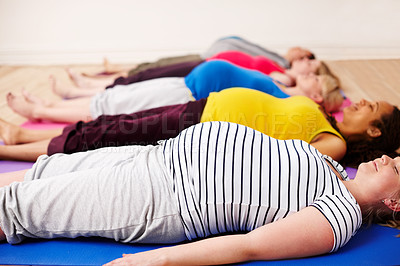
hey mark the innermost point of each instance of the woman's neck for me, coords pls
(343, 129)
(361, 199)
(349, 133)
(352, 186)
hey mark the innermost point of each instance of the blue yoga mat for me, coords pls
(376, 245)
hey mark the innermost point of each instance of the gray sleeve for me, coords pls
(239, 44)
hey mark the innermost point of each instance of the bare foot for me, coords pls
(59, 89)
(9, 132)
(115, 69)
(34, 99)
(77, 79)
(82, 81)
(107, 66)
(110, 71)
(21, 106)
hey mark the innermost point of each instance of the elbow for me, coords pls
(252, 250)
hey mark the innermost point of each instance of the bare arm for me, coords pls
(283, 78)
(331, 145)
(306, 233)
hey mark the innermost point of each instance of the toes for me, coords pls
(26, 94)
(70, 74)
(30, 98)
(10, 97)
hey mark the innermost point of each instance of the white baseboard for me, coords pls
(357, 53)
(47, 57)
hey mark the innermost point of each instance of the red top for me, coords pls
(259, 63)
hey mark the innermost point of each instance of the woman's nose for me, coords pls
(362, 102)
(385, 159)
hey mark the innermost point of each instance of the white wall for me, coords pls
(130, 31)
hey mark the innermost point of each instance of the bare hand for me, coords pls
(142, 258)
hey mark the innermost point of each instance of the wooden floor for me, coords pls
(369, 79)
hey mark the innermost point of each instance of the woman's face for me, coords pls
(297, 53)
(305, 66)
(359, 116)
(311, 86)
(379, 179)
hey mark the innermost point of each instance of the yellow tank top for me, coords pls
(296, 117)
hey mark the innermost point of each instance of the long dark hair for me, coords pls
(366, 150)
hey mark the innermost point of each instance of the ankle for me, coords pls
(20, 134)
(36, 113)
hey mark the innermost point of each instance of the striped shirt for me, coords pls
(230, 178)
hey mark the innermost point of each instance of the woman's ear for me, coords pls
(374, 132)
(393, 204)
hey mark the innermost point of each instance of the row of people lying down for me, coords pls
(211, 76)
(203, 78)
(239, 189)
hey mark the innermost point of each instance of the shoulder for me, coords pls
(330, 144)
(343, 214)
